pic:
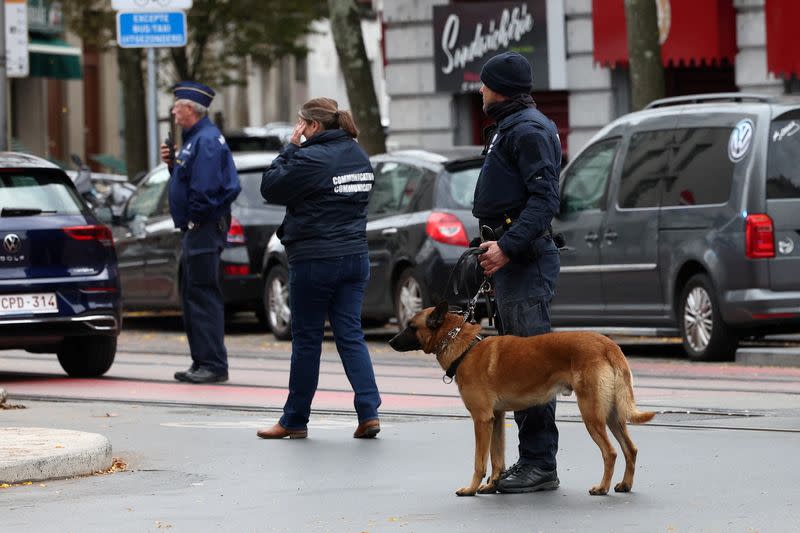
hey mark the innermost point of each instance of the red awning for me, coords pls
(782, 17)
(697, 31)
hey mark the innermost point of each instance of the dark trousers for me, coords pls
(523, 292)
(201, 295)
(331, 288)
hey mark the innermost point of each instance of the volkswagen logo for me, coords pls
(786, 246)
(12, 243)
(741, 138)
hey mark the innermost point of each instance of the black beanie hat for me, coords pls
(508, 74)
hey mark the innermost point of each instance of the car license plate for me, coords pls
(20, 304)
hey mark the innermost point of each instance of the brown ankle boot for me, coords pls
(368, 429)
(279, 432)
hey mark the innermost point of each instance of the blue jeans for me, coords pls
(334, 288)
(523, 291)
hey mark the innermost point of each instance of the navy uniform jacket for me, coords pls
(519, 179)
(204, 182)
(325, 185)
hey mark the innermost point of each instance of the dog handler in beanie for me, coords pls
(517, 196)
(202, 186)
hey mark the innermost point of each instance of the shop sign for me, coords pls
(465, 36)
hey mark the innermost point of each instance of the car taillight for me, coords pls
(98, 232)
(759, 237)
(236, 270)
(236, 232)
(446, 228)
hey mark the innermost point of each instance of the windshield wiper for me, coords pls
(24, 211)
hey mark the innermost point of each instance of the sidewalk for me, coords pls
(35, 454)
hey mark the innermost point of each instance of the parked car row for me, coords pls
(681, 219)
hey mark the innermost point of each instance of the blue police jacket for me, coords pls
(325, 185)
(204, 182)
(519, 179)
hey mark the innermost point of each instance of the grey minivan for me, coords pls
(684, 219)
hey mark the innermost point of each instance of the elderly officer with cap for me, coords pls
(516, 196)
(202, 186)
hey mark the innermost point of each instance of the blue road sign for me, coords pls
(145, 30)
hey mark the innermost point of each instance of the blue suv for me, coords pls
(59, 283)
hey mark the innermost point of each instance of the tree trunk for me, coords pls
(644, 52)
(132, 79)
(346, 27)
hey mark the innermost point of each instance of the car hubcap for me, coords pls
(697, 319)
(410, 301)
(279, 312)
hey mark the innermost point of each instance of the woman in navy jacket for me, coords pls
(324, 183)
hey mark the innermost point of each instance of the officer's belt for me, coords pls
(501, 225)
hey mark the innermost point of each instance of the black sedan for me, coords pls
(420, 222)
(149, 245)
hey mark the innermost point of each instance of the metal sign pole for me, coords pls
(3, 80)
(152, 101)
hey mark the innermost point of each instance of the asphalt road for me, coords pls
(719, 457)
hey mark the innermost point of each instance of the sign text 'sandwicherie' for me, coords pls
(467, 35)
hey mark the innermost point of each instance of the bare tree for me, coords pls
(644, 52)
(346, 27)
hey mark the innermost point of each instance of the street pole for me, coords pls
(3, 80)
(152, 130)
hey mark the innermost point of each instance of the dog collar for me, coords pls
(451, 370)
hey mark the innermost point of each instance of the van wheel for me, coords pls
(87, 357)
(705, 336)
(276, 303)
(410, 297)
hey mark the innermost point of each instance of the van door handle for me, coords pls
(389, 231)
(590, 237)
(611, 236)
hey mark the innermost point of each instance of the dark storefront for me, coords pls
(467, 34)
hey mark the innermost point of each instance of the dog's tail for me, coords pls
(626, 405)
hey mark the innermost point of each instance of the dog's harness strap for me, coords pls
(453, 368)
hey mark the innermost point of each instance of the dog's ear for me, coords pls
(436, 318)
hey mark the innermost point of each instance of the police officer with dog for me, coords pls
(202, 186)
(516, 198)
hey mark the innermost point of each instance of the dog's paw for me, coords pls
(465, 491)
(622, 487)
(488, 488)
(598, 491)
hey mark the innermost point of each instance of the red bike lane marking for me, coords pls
(210, 394)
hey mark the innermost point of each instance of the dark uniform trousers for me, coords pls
(203, 306)
(524, 290)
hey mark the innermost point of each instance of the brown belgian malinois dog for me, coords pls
(508, 373)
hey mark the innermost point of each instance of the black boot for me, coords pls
(524, 477)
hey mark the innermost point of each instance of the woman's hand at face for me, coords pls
(297, 133)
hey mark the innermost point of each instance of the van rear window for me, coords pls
(783, 171)
(701, 173)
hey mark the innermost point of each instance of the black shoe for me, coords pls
(181, 375)
(204, 375)
(524, 477)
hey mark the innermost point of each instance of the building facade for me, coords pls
(708, 46)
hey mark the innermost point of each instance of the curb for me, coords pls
(769, 356)
(36, 454)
